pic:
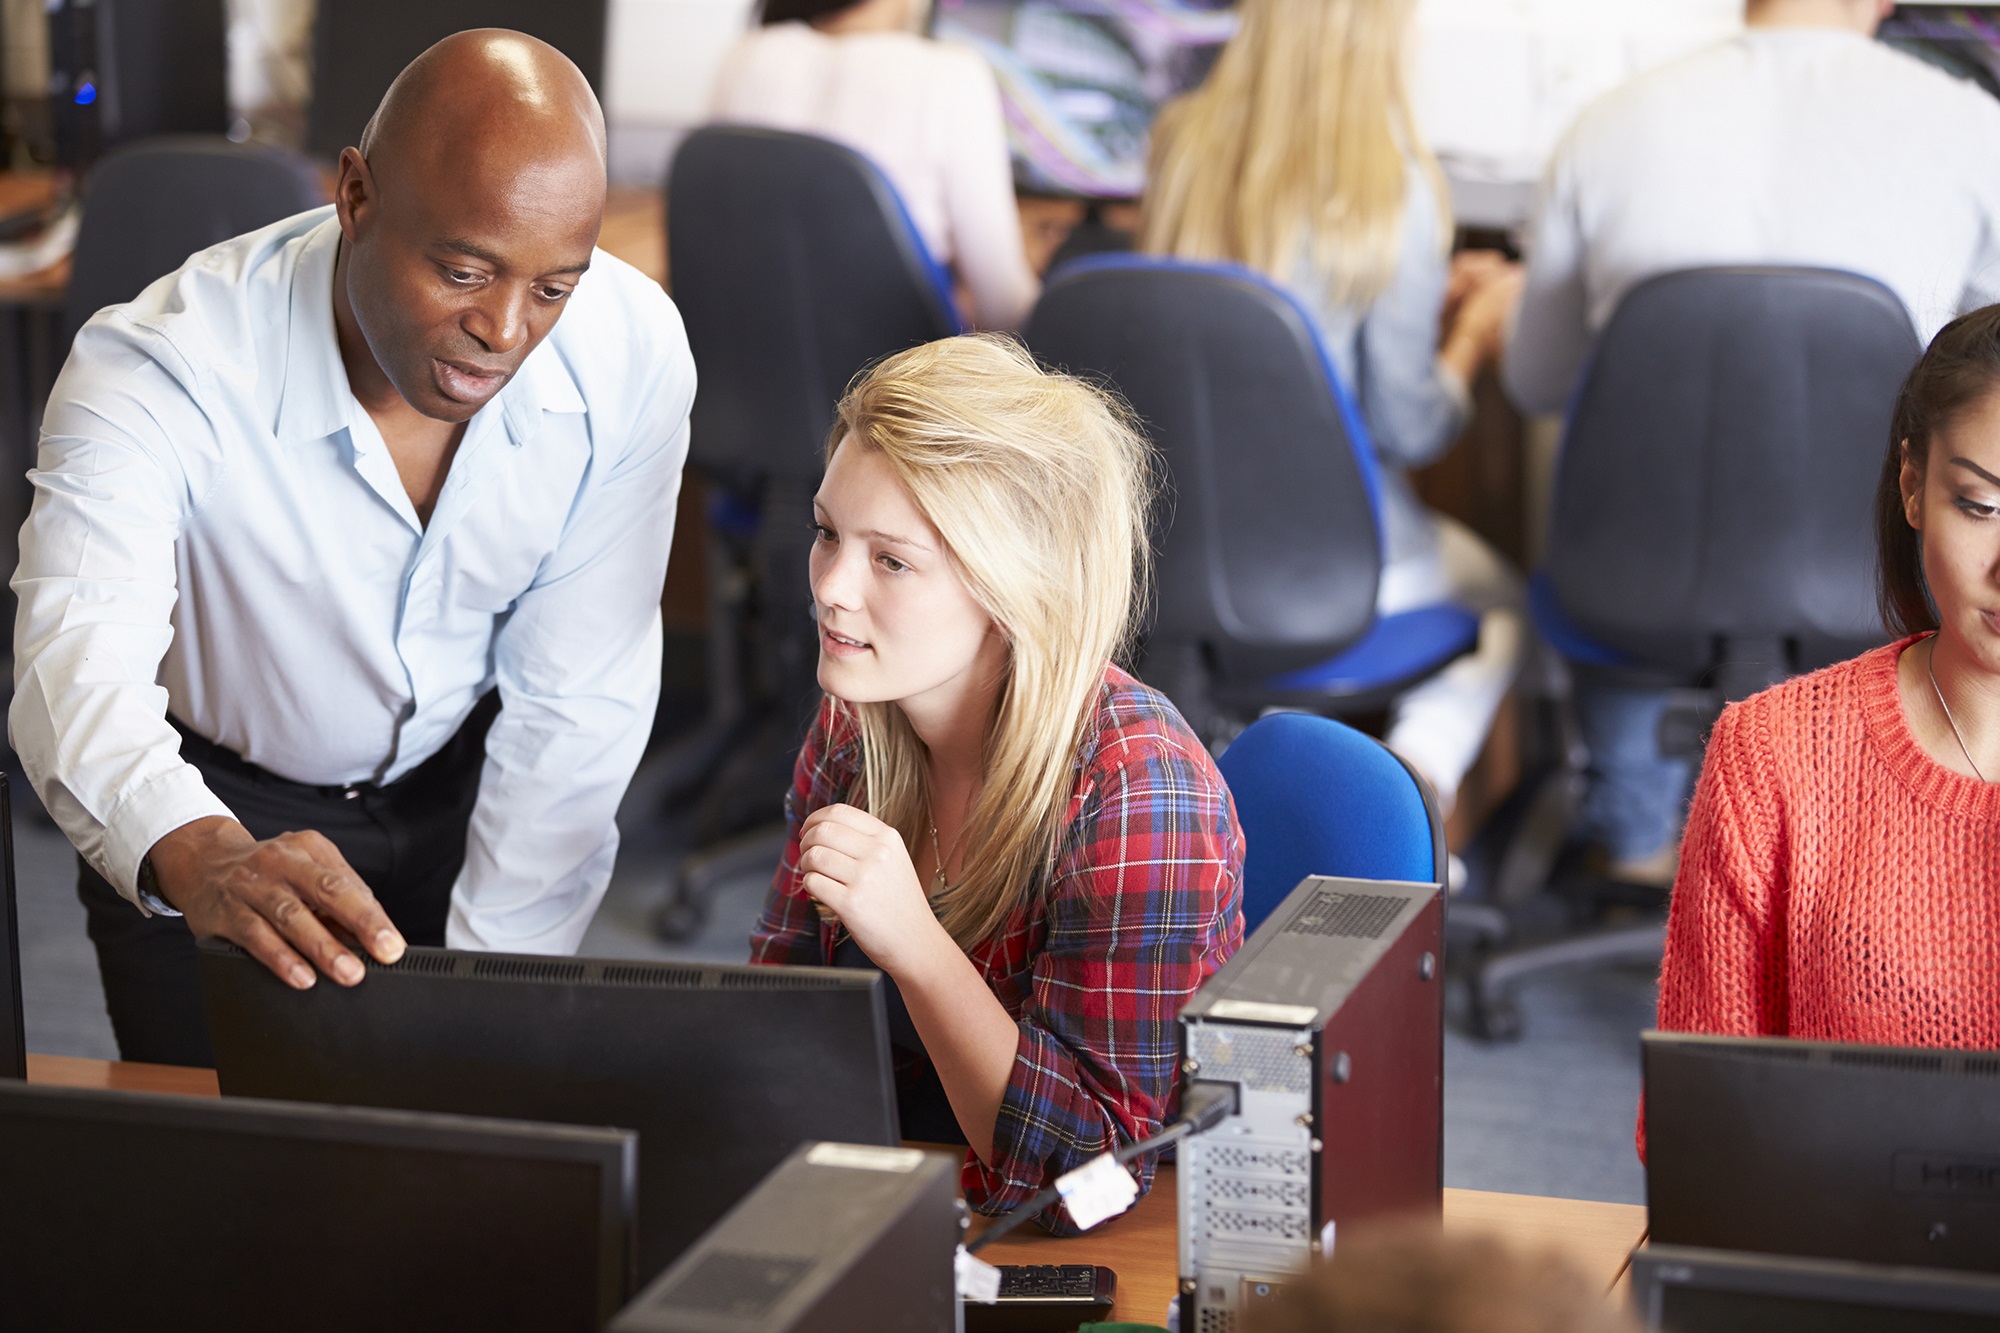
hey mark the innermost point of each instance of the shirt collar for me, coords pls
(315, 400)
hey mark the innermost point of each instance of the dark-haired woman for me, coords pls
(927, 113)
(1840, 879)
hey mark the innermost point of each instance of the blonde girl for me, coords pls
(1026, 840)
(1299, 157)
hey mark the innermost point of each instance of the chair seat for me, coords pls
(1560, 632)
(1395, 649)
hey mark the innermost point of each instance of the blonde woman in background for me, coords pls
(862, 73)
(1299, 157)
(1030, 843)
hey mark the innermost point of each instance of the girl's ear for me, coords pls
(1911, 481)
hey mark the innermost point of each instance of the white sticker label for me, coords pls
(977, 1279)
(1257, 1011)
(1098, 1189)
(861, 1157)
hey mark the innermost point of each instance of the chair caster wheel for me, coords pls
(678, 921)
(1495, 1018)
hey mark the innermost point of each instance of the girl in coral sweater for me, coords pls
(1840, 879)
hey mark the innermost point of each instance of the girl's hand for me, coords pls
(856, 867)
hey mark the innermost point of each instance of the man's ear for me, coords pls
(354, 196)
(1911, 481)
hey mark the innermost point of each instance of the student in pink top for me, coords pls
(1840, 879)
(862, 73)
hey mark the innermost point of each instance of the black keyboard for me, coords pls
(1045, 1298)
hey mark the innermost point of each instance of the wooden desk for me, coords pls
(1140, 1246)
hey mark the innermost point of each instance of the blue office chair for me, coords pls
(794, 265)
(1711, 533)
(151, 204)
(1270, 543)
(1316, 797)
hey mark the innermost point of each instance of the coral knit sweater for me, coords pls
(1836, 882)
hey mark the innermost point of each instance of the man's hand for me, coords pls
(274, 898)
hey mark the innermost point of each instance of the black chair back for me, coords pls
(1714, 494)
(13, 1029)
(1269, 544)
(794, 266)
(150, 205)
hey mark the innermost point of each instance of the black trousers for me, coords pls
(406, 840)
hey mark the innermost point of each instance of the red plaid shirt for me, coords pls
(1144, 902)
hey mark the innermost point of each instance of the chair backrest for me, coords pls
(13, 1028)
(794, 265)
(150, 205)
(1269, 540)
(1316, 797)
(1718, 473)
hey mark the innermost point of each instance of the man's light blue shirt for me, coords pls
(219, 531)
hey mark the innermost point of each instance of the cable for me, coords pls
(1203, 1105)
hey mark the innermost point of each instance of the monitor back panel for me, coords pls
(1725, 1291)
(1876, 1154)
(722, 1070)
(123, 1211)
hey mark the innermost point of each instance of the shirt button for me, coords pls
(350, 793)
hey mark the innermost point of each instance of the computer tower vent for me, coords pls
(1361, 916)
(734, 1285)
(1239, 1223)
(653, 975)
(528, 969)
(1294, 1193)
(1217, 1321)
(1296, 1163)
(1266, 1060)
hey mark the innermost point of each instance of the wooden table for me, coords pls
(1140, 1246)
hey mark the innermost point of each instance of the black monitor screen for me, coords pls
(1878, 1154)
(360, 46)
(722, 1070)
(123, 1211)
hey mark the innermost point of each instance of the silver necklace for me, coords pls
(1931, 671)
(937, 877)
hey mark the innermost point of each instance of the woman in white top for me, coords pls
(927, 113)
(1299, 157)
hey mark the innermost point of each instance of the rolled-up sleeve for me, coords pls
(1145, 904)
(1550, 337)
(577, 664)
(120, 468)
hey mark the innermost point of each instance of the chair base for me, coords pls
(701, 873)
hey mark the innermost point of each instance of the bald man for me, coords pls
(339, 597)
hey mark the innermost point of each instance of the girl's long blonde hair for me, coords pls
(1039, 485)
(1300, 137)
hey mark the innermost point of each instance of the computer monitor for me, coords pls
(1081, 80)
(13, 1025)
(1880, 1154)
(723, 1070)
(1961, 40)
(122, 1211)
(1691, 1290)
(839, 1238)
(360, 46)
